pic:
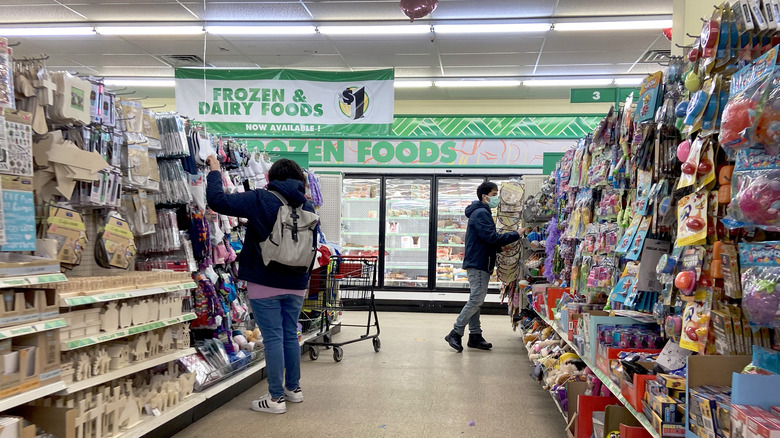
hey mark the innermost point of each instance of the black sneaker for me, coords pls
(455, 341)
(477, 341)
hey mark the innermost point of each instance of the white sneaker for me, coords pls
(294, 396)
(267, 404)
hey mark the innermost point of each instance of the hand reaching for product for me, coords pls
(212, 162)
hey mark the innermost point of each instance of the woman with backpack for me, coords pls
(275, 293)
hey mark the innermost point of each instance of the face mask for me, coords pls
(493, 201)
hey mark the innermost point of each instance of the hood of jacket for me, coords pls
(475, 206)
(291, 189)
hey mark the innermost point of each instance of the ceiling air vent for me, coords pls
(184, 60)
(655, 57)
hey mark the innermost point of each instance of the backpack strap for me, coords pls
(281, 198)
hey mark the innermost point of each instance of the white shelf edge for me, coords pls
(34, 327)
(51, 277)
(28, 396)
(151, 423)
(117, 374)
(132, 293)
(123, 333)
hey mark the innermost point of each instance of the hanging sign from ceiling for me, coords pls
(269, 102)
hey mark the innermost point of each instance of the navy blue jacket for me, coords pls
(260, 208)
(482, 239)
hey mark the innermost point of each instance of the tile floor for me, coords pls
(416, 386)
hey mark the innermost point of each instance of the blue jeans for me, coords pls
(478, 282)
(277, 318)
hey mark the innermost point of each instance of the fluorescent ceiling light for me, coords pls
(46, 31)
(149, 30)
(261, 30)
(477, 83)
(613, 25)
(407, 29)
(413, 84)
(491, 28)
(628, 81)
(565, 82)
(140, 82)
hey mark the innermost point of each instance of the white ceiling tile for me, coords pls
(95, 45)
(489, 44)
(450, 9)
(488, 59)
(599, 41)
(573, 70)
(604, 57)
(417, 72)
(315, 62)
(389, 61)
(180, 45)
(231, 61)
(37, 12)
(386, 46)
(352, 10)
(613, 7)
(244, 11)
(298, 46)
(135, 71)
(101, 60)
(489, 70)
(127, 12)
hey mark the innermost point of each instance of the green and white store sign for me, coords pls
(265, 102)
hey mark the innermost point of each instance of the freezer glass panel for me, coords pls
(360, 216)
(407, 231)
(453, 196)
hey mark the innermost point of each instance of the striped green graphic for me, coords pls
(546, 126)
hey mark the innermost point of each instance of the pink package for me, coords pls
(739, 419)
(764, 428)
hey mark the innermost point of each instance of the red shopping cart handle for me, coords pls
(352, 257)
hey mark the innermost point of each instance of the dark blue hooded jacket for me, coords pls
(482, 239)
(260, 208)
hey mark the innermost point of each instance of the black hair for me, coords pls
(284, 169)
(485, 188)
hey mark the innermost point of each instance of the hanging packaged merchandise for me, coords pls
(314, 189)
(691, 219)
(750, 88)
(132, 115)
(761, 283)
(135, 164)
(166, 236)
(756, 191)
(150, 130)
(705, 170)
(67, 228)
(199, 235)
(172, 135)
(140, 212)
(115, 245)
(71, 99)
(6, 76)
(174, 184)
(690, 164)
(650, 97)
(696, 322)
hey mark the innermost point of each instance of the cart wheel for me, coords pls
(338, 354)
(314, 352)
(377, 344)
(326, 339)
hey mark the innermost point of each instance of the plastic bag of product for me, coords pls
(755, 190)
(761, 283)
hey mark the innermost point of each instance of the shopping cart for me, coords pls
(347, 284)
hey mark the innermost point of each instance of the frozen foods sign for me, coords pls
(259, 102)
(423, 153)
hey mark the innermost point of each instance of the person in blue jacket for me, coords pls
(482, 244)
(276, 297)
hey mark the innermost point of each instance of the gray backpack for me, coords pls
(292, 244)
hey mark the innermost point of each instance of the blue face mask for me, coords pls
(493, 201)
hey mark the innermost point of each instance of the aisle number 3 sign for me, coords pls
(283, 102)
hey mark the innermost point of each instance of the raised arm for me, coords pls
(234, 204)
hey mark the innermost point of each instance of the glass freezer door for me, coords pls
(360, 216)
(407, 229)
(453, 196)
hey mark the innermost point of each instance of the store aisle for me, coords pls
(417, 386)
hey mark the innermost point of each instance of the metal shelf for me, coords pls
(134, 330)
(613, 388)
(126, 371)
(452, 244)
(451, 230)
(33, 327)
(121, 295)
(407, 249)
(425, 266)
(360, 233)
(28, 396)
(454, 262)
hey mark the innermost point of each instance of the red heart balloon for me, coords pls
(418, 8)
(668, 33)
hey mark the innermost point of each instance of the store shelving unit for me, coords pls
(32, 327)
(126, 371)
(124, 294)
(134, 330)
(613, 388)
(32, 280)
(28, 396)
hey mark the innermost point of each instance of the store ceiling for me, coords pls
(550, 53)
